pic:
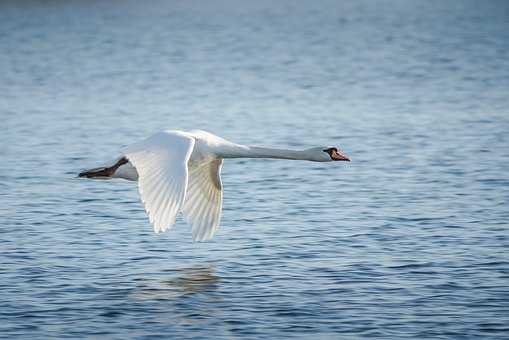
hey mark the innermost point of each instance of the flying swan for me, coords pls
(180, 171)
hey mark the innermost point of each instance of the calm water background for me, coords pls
(408, 240)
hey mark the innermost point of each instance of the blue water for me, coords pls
(409, 240)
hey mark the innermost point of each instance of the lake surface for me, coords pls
(409, 240)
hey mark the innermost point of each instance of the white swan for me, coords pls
(180, 171)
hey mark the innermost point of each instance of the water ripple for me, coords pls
(409, 240)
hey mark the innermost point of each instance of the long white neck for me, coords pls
(244, 151)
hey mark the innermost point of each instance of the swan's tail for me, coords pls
(103, 172)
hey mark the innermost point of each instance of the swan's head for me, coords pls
(326, 154)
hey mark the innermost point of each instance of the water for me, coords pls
(409, 240)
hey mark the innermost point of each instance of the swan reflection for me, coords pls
(182, 282)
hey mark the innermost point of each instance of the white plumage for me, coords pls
(180, 171)
(161, 163)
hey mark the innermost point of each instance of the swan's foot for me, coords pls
(103, 172)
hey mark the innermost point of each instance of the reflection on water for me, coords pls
(181, 282)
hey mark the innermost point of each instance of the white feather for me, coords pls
(204, 199)
(161, 163)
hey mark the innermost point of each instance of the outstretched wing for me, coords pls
(204, 199)
(161, 163)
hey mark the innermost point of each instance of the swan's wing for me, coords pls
(204, 199)
(161, 163)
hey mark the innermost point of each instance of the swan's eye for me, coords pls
(330, 151)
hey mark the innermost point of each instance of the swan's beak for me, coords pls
(339, 156)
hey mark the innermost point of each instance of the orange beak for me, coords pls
(338, 156)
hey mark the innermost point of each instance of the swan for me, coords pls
(180, 171)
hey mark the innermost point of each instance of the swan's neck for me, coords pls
(244, 151)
